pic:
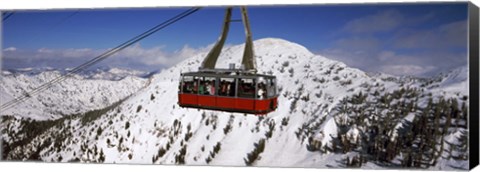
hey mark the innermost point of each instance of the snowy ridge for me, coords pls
(77, 94)
(453, 83)
(310, 128)
(102, 73)
(114, 74)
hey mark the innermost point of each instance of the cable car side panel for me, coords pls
(226, 102)
(245, 104)
(263, 105)
(207, 100)
(188, 99)
(229, 104)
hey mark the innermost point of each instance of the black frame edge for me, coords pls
(1, 58)
(473, 46)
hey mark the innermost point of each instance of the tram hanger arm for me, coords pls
(248, 60)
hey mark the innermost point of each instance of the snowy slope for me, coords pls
(77, 94)
(453, 83)
(149, 127)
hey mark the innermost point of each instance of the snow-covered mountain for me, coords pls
(77, 94)
(455, 81)
(329, 115)
(102, 73)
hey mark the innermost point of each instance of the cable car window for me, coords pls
(271, 91)
(195, 84)
(226, 87)
(207, 86)
(187, 84)
(261, 88)
(246, 88)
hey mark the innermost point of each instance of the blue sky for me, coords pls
(400, 39)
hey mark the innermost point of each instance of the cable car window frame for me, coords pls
(228, 90)
(210, 79)
(241, 88)
(271, 87)
(196, 80)
(261, 80)
(233, 78)
(184, 85)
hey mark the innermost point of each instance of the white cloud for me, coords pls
(44, 50)
(423, 63)
(359, 43)
(415, 70)
(10, 49)
(391, 43)
(452, 34)
(379, 22)
(78, 53)
(157, 56)
(386, 55)
(135, 56)
(384, 21)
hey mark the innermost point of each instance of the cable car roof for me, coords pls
(227, 75)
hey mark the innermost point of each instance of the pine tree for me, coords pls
(101, 156)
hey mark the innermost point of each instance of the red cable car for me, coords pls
(255, 94)
(232, 90)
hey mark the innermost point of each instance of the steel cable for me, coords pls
(99, 58)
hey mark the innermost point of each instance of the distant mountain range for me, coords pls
(79, 93)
